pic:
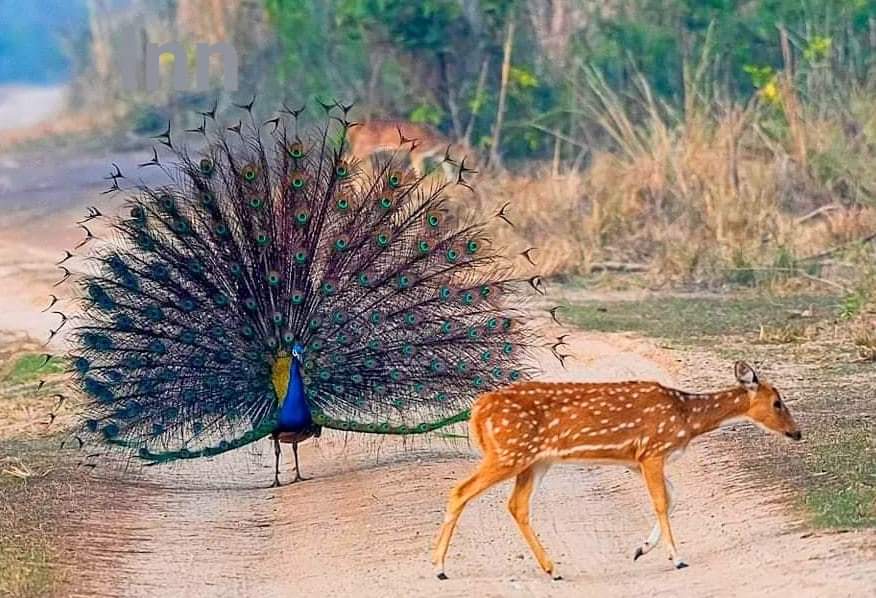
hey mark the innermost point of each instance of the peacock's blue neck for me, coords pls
(294, 413)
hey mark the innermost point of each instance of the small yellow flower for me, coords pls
(771, 92)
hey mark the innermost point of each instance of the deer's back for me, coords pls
(618, 420)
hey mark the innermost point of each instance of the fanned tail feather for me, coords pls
(263, 240)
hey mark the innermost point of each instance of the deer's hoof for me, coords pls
(441, 575)
(680, 564)
(639, 553)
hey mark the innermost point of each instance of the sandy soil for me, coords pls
(364, 524)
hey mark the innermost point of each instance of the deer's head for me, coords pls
(766, 407)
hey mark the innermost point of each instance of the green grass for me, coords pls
(847, 497)
(29, 368)
(692, 320)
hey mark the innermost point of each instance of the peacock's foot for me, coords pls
(299, 478)
(276, 483)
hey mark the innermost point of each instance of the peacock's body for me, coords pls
(273, 288)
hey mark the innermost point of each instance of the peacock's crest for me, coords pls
(269, 248)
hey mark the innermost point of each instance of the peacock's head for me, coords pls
(297, 351)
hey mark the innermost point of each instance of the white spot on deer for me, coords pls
(672, 419)
(554, 423)
(604, 421)
(597, 412)
(696, 425)
(638, 420)
(629, 405)
(681, 434)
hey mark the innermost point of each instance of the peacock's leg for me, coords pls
(298, 476)
(276, 483)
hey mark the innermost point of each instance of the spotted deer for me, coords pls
(376, 136)
(526, 428)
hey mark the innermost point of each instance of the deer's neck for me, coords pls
(705, 412)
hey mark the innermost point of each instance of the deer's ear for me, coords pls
(746, 375)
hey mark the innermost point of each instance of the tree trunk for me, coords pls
(479, 90)
(495, 153)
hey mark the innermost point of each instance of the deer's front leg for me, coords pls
(654, 537)
(652, 472)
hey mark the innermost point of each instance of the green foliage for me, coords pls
(427, 114)
(423, 59)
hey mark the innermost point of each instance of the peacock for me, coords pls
(273, 286)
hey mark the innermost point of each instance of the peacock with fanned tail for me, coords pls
(275, 287)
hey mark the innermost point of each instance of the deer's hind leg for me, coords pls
(488, 474)
(519, 504)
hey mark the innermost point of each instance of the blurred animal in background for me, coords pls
(272, 288)
(429, 149)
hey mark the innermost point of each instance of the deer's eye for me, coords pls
(777, 404)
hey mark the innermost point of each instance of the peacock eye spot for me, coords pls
(206, 166)
(343, 204)
(394, 180)
(385, 203)
(249, 173)
(255, 202)
(296, 150)
(432, 220)
(342, 170)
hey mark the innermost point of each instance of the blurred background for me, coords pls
(703, 142)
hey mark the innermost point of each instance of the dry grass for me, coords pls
(724, 192)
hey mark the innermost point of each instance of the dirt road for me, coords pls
(364, 524)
